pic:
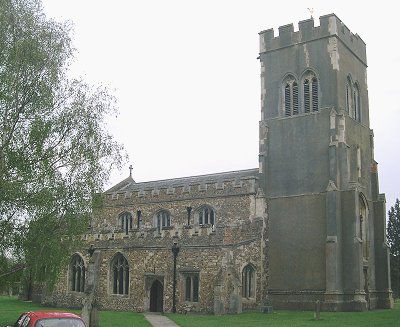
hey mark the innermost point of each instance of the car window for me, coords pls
(59, 322)
(19, 320)
(26, 321)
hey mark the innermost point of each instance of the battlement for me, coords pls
(330, 25)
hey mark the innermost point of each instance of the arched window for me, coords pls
(348, 94)
(291, 97)
(119, 275)
(77, 274)
(206, 215)
(162, 220)
(310, 93)
(314, 90)
(356, 103)
(248, 281)
(191, 287)
(363, 223)
(125, 222)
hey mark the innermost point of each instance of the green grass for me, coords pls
(11, 308)
(376, 318)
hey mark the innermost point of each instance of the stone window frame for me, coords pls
(162, 219)
(191, 285)
(119, 283)
(310, 91)
(362, 225)
(356, 114)
(353, 98)
(249, 282)
(290, 96)
(125, 221)
(205, 215)
(77, 273)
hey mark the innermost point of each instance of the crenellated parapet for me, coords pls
(330, 25)
(221, 184)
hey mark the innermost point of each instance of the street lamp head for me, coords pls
(175, 248)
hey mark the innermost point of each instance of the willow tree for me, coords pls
(55, 151)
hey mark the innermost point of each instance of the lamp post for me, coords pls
(175, 251)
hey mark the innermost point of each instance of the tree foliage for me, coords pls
(54, 149)
(393, 237)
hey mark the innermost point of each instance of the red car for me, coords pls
(49, 319)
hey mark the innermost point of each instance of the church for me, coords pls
(307, 225)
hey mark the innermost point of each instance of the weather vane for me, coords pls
(311, 10)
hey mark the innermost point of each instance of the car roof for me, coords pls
(51, 314)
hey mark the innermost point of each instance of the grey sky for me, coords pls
(187, 78)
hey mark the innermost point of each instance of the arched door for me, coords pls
(156, 297)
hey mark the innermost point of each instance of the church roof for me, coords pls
(129, 184)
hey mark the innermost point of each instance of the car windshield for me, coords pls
(59, 322)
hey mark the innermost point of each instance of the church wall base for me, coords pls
(306, 300)
(382, 300)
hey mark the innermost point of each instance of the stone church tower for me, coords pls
(326, 217)
(307, 225)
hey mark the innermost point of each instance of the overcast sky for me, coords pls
(187, 80)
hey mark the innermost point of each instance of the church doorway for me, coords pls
(156, 296)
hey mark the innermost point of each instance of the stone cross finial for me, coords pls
(130, 170)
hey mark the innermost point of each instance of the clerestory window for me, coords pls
(162, 220)
(205, 215)
(125, 222)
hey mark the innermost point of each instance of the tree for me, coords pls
(55, 152)
(393, 236)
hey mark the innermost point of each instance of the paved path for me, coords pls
(159, 320)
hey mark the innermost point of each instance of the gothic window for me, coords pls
(206, 215)
(248, 281)
(291, 97)
(191, 287)
(119, 275)
(362, 225)
(353, 100)
(125, 222)
(310, 93)
(77, 274)
(348, 94)
(314, 91)
(356, 103)
(162, 220)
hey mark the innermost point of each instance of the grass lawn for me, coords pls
(376, 318)
(11, 308)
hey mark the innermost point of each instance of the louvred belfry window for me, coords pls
(291, 97)
(310, 93)
(314, 89)
(306, 95)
